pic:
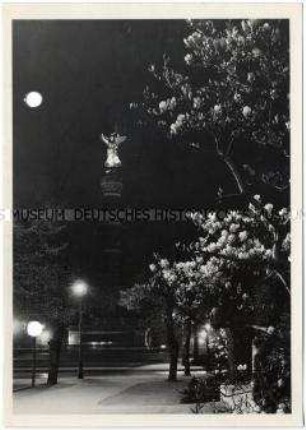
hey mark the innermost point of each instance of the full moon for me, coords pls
(33, 99)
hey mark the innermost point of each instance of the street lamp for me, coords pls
(33, 99)
(79, 289)
(34, 330)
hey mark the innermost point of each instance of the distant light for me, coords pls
(73, 338)
(202, 337)
(204, 333)
(34, 328)
(242, 367)
(163, 347)
(33, 99)
(207, 327)
(79, 288)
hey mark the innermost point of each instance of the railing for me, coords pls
(94, 356)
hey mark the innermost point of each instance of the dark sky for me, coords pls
(88, 72)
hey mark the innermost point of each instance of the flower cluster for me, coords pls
(178, 125)
(239, 245)
(169, 104)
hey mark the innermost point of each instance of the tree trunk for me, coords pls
(173, 346)
(186, 356)
(195, 344)
(55, 345)
(231, 354)
(256, 370)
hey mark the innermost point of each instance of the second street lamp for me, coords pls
(34, 330)
(79, 290)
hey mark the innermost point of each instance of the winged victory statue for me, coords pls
(112, 142)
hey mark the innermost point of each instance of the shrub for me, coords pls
(272, 382)
(205, 389)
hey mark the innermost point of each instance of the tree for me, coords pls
(158, 291)
(175, 291)
(41, 273)
(244, 261)
(231, 96)
(190, 298)
(146, 306)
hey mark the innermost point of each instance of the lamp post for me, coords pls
(79, 289)
(34, 329)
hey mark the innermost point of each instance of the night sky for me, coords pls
(88, 73)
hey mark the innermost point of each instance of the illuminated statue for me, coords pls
(112, 142)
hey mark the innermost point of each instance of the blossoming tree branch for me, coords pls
(230, 95)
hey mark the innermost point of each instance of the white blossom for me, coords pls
(250, 77)
(268, 207)
(266, 26)
(237, 97)
(181, 117)
(244, 25)
(268, 253)
(197, 102)
(169, 276)
(252, 207)
(234, 228)
(227, 250)
(212, 247)
(172, 103)
(217, 108)
(173, 128)
(256, 52)
(164, 263)
(152, 267)
(163, 106)
(246, 111)
(212, 216)
(231, 238)
(188, 59)
(283, 212)
(286, 243)
(243, 235)
(243, 255)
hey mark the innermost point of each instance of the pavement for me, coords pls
(141, 390)
(22, 375)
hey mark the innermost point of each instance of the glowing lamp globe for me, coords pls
(33, 99)
(79, 288)
(34, 328)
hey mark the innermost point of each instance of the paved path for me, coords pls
(136, 392)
